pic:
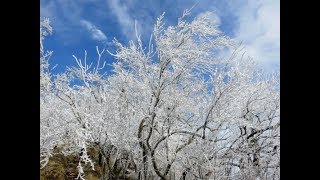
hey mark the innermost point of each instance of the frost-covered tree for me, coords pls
(173, 109)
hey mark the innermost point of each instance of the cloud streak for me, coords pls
(254, 22)
(121, 12)
(68, 15)
(96, 33)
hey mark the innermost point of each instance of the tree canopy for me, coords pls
(187, 105)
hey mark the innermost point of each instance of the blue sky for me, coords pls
(80, 25)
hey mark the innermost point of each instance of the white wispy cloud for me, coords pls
(258, 20)
(65, 16)
(127, 22)
(259, 29)
(46, 9)
(68, 15)
(95, 32)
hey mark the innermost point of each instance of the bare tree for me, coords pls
(189, 105)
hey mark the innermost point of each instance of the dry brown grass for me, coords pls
(62, 167)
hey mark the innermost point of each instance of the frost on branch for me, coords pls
(188, 105)
(45, 29)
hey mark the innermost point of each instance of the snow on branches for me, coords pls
(189, 105)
